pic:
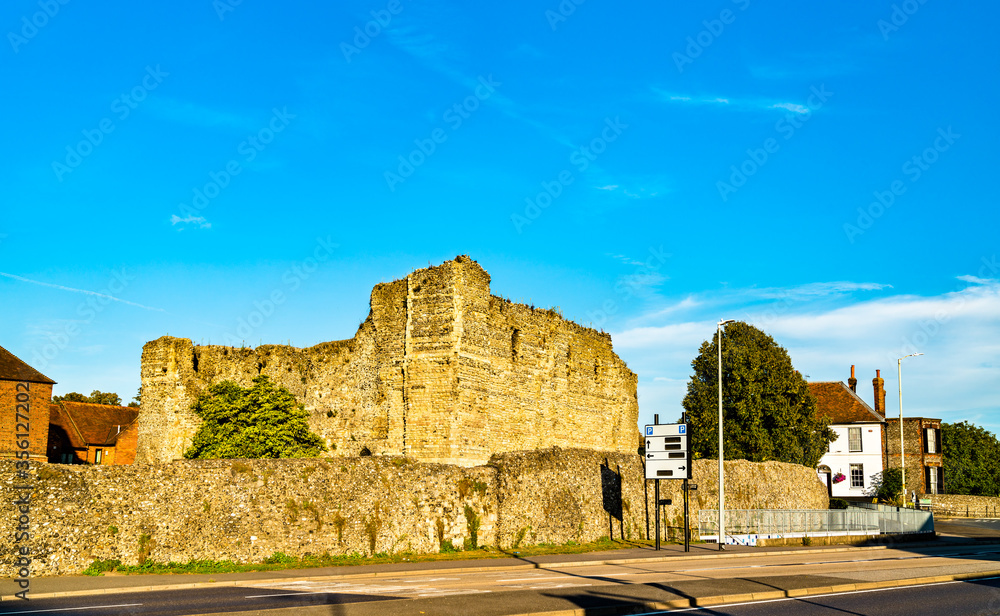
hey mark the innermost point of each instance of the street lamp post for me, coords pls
(902, 457)
(722, 488)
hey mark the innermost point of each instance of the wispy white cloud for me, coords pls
(795, 107)
(416, 37)
(194, 114)
(731, 103)
(959, 332)
(193, 220)
(817, 289)
(977, 280)
(633, 186)
(73, 290)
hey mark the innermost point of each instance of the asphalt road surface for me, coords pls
(455, 592)
(982, 528)
(979, 597)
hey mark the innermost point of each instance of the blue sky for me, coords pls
(827, 173)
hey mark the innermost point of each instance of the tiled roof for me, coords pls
(95, 424)
(59, 420)
(13, 369)
(836, 401)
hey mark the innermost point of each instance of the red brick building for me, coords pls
(22, 388)
(84, 433)
(921, 446)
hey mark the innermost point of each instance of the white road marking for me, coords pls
(73, 609)
(531, 579)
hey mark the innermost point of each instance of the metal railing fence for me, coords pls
(816, 522)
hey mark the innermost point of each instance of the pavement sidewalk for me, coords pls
(86, 585)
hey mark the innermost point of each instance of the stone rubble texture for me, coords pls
(246, 510)
(440, 371)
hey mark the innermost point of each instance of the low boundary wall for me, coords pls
(246, 510)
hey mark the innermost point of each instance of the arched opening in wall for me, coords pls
(365, 451)
(515, 345)
(826, 476)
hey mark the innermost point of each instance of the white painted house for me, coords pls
(856, 455)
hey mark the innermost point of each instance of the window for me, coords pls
(854, 438)
(933, 480)
(97, 456)
(932, 440)
(857, 475)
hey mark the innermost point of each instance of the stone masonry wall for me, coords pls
(964, 506)
(441, 371)
(246, 510)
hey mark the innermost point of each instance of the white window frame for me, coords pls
(851, 432)
(860, 468)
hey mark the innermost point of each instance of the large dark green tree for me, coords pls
(769, 413)
(263, 421)
(971, 459)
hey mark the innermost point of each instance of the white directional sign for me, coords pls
(667, 453)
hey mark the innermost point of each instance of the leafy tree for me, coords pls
(971, 459)
(887, 486)
(263, 421)
(95, 397)
(769, 413)
(101, 397)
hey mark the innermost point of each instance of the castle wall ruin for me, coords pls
(440, 371)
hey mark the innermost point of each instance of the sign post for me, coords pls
(668, 456)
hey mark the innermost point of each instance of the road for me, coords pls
(980, 597)
(630, 585)
(980, 528)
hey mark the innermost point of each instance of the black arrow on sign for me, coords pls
(649, 444)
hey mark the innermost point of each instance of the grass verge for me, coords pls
(279, 561)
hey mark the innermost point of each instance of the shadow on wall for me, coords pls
(611, 492)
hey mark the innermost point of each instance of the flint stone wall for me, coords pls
(960, 504)
(246, 510)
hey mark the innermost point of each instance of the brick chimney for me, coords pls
(879, 385)
(853, 382)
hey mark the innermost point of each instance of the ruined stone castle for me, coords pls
(440, 371)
